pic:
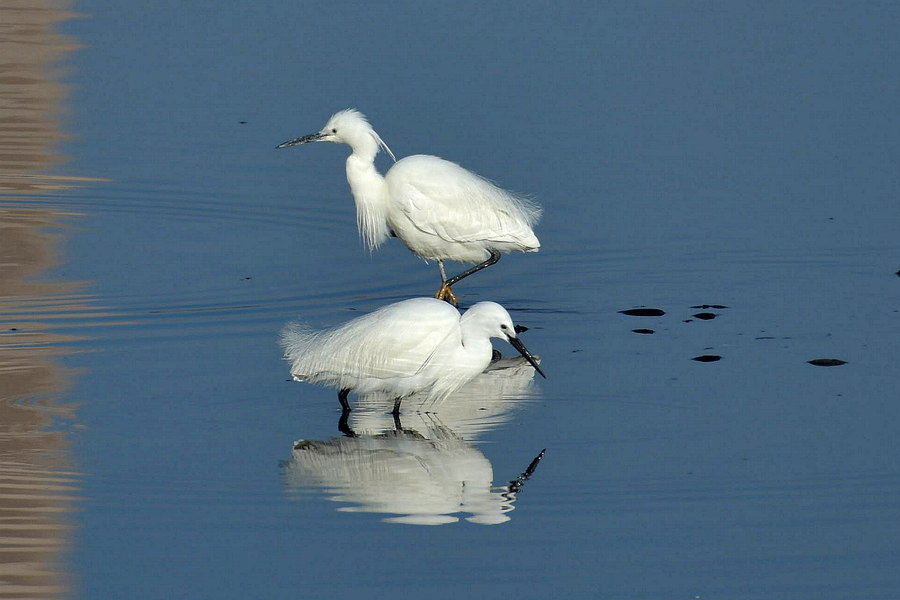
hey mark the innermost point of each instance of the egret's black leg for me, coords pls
(495, 256)
(397, 425)
(344, 424)
(342, 396)
(396, 411)
(445, 293)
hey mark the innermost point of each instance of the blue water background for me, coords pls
(735, 154)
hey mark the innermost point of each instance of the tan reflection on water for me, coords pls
(37, 482)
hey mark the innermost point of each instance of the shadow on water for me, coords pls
(421, 465)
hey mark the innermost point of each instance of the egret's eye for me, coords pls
(334, 131)
(504, 327)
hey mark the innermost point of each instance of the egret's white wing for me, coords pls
(443, 199)
(394, 341)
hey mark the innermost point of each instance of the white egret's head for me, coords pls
(496, 322)
(346, 127)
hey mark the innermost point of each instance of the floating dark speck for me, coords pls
(827, 362)
(707, 358)
(643, 330)
(705, 316)
(705, 306)
(897, 273)
(643, 312)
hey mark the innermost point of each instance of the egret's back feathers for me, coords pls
(442, 199)
(395, 341)
(416, 345)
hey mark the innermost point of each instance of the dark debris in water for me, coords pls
(643, 331)
(707, 358)
(708, 306)
(827, 362)
(705, 316)
(643, 312)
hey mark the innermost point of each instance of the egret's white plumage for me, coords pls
(440, 210)
(417, 345)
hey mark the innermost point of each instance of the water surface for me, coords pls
(688, 155)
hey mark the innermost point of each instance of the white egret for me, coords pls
(417, 345)
(438, 209)
(424, 475)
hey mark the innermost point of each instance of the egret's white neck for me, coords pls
(370, 195)
(460, 359)
(476, 346)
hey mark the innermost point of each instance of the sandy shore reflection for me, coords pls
(37, 482)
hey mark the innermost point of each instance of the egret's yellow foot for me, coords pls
(445, 293)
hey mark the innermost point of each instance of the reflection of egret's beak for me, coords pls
(516, 484)
(313, 137)
(518, 345)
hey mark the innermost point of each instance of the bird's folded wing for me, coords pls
(459, 206)
(393, 342)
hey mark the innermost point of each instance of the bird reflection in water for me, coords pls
(421, 470)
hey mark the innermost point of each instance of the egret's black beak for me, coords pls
(313, 137)
(518, 345)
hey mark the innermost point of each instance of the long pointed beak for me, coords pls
(313, 137)
(518, 345)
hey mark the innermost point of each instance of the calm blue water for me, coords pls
(686, 154)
